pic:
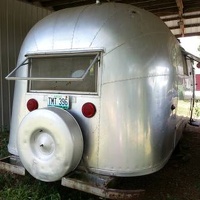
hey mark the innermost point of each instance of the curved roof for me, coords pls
(92, 26)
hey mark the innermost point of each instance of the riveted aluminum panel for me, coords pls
(133, 130)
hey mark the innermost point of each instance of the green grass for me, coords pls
(26, 188)
(3, 144)
(16, 187)
(184, 109)
(169, 197)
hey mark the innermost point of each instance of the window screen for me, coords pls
(76, 73)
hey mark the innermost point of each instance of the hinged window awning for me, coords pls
(67, 66)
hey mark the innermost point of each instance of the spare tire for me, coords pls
(50, 143)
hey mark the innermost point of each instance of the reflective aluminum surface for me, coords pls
(133, 130)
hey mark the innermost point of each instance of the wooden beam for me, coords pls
(191, 16)
(74, 3)
(53, 3)
(187, 34)
(180, 13)
(186, 26)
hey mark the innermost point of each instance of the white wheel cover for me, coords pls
(50, 143)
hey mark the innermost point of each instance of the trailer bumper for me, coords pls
(102, 186)
(12, 164)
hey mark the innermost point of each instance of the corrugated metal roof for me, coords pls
(183, 15)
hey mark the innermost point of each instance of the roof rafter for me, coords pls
(177, 10)
(180, 13)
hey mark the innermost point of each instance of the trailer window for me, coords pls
(75, 73)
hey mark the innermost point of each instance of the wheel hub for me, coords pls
(43, 144)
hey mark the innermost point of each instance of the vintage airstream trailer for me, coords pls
(96, 88)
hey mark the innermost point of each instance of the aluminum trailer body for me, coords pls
(96, 87)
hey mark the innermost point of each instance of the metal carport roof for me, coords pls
(181, 16)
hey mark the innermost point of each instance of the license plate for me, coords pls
(60, 101)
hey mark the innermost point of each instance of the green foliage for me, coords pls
(15, 187)
(198, 48)
(169, 197)
(197, 185)
(197, 108)
(4, 128)
(3, 144)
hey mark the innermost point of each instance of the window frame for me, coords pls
(97, 58)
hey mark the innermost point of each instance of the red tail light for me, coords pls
(32, 104)
(88, 110)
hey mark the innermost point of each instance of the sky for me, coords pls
(191, 44)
